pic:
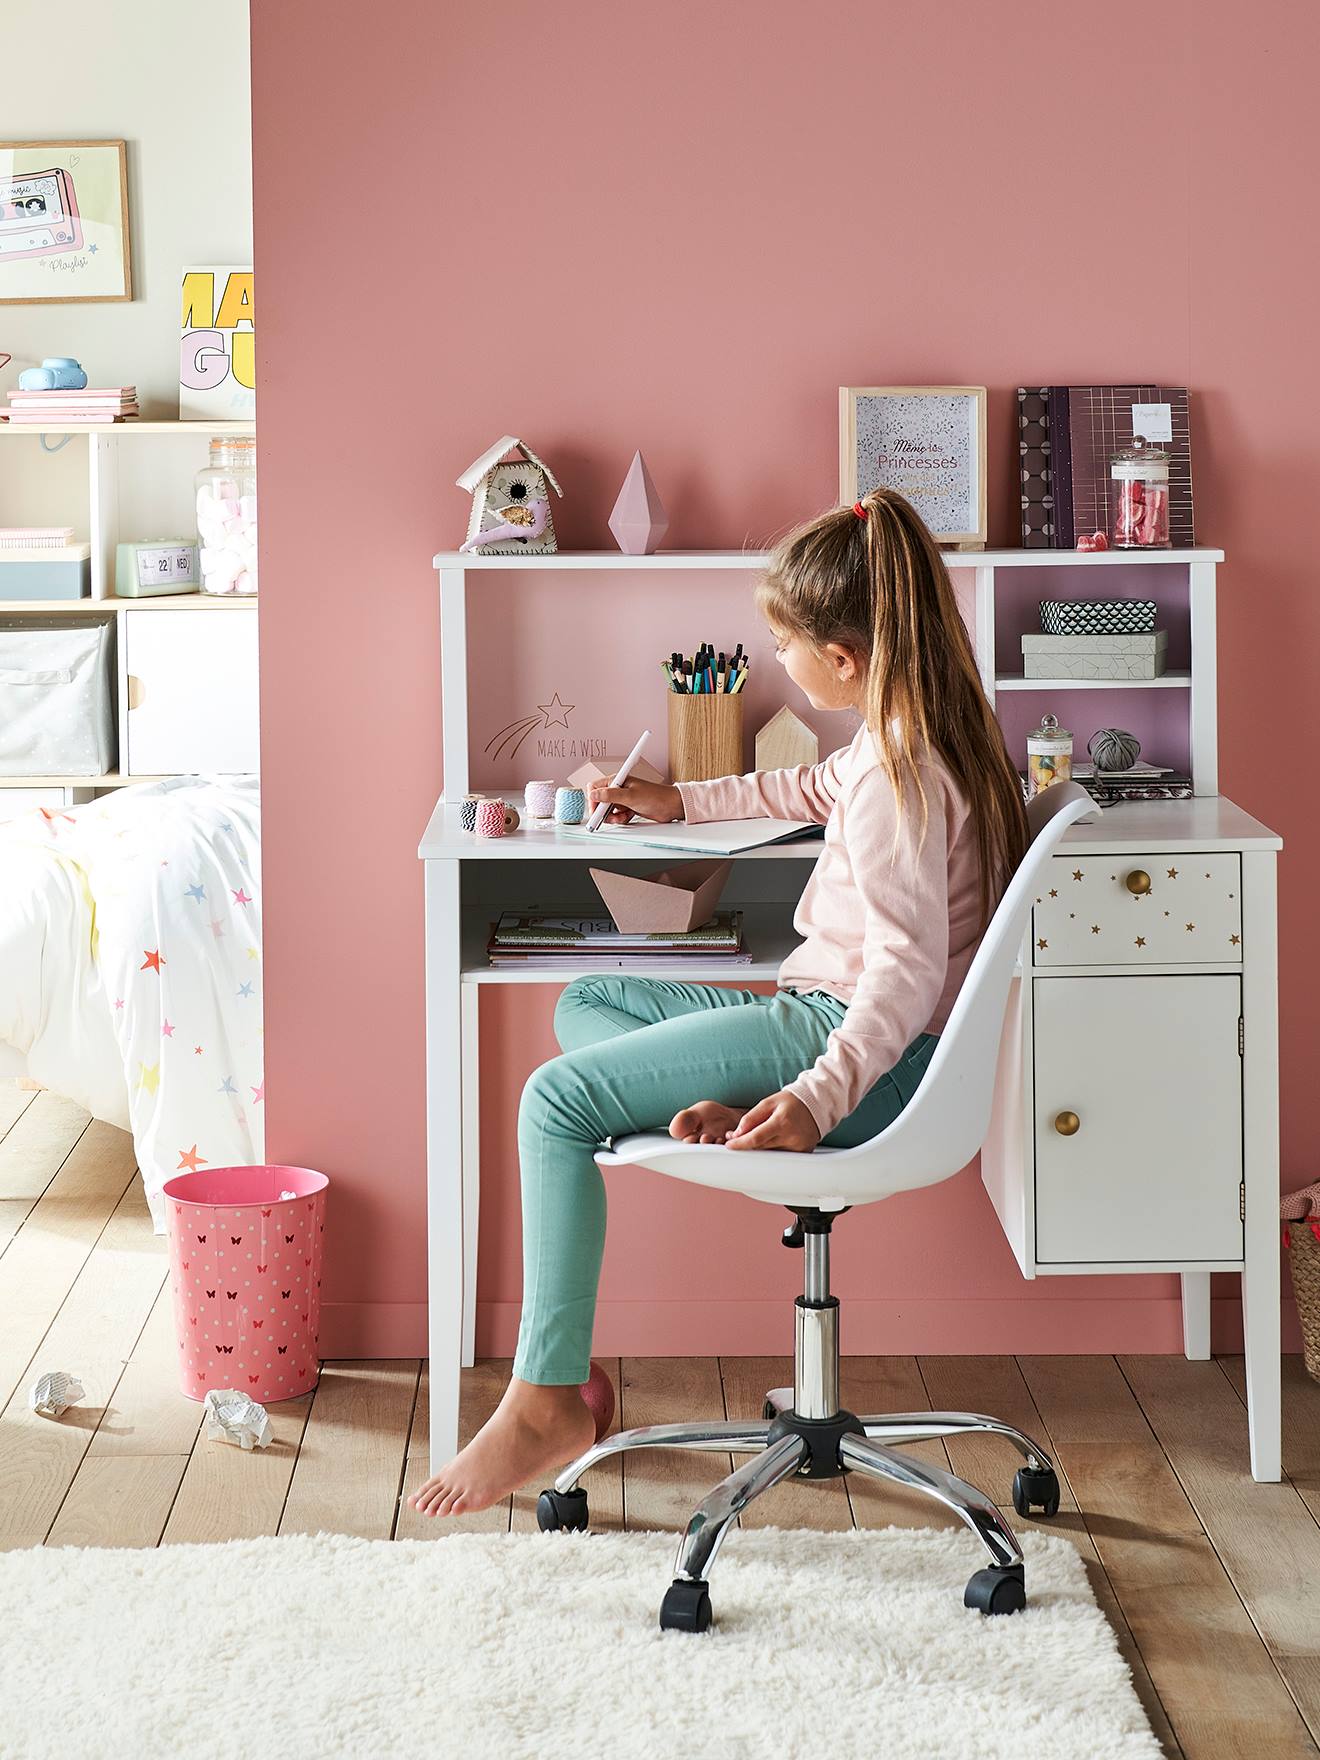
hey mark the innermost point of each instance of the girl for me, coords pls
(924, 824)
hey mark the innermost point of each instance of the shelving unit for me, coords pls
(189, 659)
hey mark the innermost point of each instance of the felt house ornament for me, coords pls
(510, 490)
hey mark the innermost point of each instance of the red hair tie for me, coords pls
(859, 510)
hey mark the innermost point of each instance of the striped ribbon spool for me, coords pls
(540, 799)
(490, 818)
(570, 805)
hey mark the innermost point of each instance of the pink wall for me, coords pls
(682, 227)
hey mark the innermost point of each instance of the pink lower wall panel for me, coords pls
(705, 221)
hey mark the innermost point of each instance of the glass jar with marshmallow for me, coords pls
(227, 516)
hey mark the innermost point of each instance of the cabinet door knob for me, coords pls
(1138, 881)
(1067, 1124)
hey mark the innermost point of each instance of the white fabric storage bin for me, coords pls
(56, 697)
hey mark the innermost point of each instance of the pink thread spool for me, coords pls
(495, 817)
(540, 798)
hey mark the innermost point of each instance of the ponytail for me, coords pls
(871, 578)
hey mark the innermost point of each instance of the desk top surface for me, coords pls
(1211, 822)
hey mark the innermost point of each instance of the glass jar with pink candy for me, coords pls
(227, 516)
(1139, 497)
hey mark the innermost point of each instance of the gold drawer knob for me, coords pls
(1138, 881)
(1067, 1124)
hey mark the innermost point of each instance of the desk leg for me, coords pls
(1196, 1315)
(471, 1079)
(444, 1154)
(1260, 1146)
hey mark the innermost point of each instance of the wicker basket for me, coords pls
(1302, 1240)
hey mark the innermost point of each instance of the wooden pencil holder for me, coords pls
(705, 736)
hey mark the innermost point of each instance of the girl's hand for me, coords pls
(650, 800)
(781, 1121)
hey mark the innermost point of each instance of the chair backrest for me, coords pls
(945, 1122)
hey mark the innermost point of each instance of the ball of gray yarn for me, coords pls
(1114, 748)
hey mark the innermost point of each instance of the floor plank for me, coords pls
(798, 1503)
(662, 1486)
(1212, 1671)
(14, 1102)
(118, 1500)
(480, 1391)
(148, 1414)
(350, 1465)
(228, 1493)
(871, 1385)
(1265, 1535)
(46, 1258)
(1301, 1423)
(92, 1336)
(37, 1143)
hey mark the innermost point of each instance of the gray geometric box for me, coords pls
(1125, 658)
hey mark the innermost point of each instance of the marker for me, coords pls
(621, 776)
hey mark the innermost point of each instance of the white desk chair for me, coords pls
(803, 1431)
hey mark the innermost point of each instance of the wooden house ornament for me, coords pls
(510, 502)
(785, 742)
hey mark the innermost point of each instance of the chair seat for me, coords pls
(828, 1179)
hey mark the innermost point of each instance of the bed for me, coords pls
(130, 967)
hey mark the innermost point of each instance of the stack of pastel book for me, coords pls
(1140, 782)
(72, 409)
(536, 941)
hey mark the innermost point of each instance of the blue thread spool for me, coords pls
(570, 805)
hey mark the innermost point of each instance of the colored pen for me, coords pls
(621, 776)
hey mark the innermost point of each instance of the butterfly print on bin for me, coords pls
(202, 1239)
(254, 1378)
(210, 1295)
(224, 1349)
(265, 1212)
(282, 1349)
(185, 1264)
(232, 1294)
(288, 1240)
(257, 1325)
(261, 1268)
(193, 1320)
(285, 1294)
(306, 1261)
(304, 1319)
(235, 1240)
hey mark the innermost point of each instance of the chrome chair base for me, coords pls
(806, 1434)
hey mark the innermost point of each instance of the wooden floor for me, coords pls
(1211, 1582)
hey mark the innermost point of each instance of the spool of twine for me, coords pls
(570, 805)
(540, 800)
(467, 813)
(490, 818)
(705, 736)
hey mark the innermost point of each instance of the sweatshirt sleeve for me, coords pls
(807, 792)
(905, 946)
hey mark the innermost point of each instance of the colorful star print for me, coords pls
(149, 1077)
(227, 1086)
(197, 891)
(190, 1159)
(259, 1093)
(245, 989)
(197, 1051)
(153, 962)
(217, 927)
(167, 1030)
(240, 897)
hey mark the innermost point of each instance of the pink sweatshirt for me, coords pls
(892, 940)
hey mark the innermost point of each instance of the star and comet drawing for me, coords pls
(507, 740)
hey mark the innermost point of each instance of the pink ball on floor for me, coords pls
(598, 1392)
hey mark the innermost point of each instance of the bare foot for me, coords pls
(532, 1430)
(705, 1122)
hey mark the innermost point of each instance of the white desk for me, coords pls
(1175, 1164)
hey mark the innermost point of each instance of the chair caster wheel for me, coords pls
(562, 1512)
(1032, 1485)
(999, 1588)
(686, 1607)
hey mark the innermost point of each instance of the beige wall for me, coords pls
(171, 78)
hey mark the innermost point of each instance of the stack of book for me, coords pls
(1067, 435)
(72, 409)
(1140, 782)
(537, 941)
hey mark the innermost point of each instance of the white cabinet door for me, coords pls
(192, 690)
(1149, 1069)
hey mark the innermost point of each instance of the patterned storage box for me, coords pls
(1097, 617)
(1118, 657)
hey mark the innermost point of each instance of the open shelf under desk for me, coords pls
(767, 931)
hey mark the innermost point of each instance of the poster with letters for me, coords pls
(217, 352)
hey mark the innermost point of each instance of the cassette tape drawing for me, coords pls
(39, 215)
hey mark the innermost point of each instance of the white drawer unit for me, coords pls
(1154, 910)
(190, 691)
(1138, 1119)
(14, 801)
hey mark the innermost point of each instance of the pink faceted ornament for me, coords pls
(639, 520)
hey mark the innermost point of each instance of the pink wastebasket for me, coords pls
(245, 1267)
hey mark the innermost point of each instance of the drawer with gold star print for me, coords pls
(1154, 910)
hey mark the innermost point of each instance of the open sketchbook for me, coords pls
(717, 837)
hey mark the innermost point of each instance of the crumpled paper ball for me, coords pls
(52, 1394)
(232, 1417)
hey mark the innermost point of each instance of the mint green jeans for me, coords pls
(637, 1050)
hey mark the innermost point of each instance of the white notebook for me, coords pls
(717, 837)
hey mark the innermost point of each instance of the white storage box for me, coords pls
(1079, 656)
(56, 697)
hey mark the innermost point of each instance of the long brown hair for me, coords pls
(875, 583)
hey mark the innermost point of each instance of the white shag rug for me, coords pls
(546, 1647)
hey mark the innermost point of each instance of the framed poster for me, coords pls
(925, 441)
(63, 222)
(217, 344)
